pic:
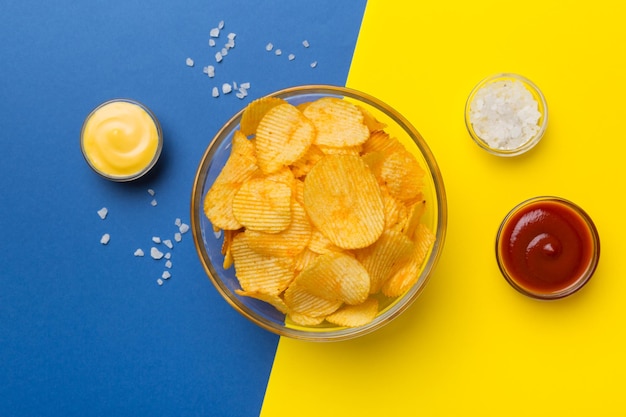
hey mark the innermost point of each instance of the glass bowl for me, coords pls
(502, 118)
(547, 247)
(208, 243)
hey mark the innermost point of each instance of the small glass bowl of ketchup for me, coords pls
(547, 247)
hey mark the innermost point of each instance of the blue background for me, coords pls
(84, 327)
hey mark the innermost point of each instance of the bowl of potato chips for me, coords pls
(318, 212)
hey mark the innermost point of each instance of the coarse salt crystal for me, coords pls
(103, 212)
(214, 33)
(215, 92)
(231, 36)
(305, 43)
(138, 252)
(178, 237)
(224, 51)
(153, 203)
(156, 239)
(291, 57)
(105, 239)
(168, 264)
(184, 228)
(189, 62)
(151, 191)
(160, 281)
(178, 222)
(155, 253)
(245, 85)
(210, 70)
(167, 255)
(504, 114)
(220, 25)
(218, 57)
(313, 64)
(166, 275)
(278, 52)
(226, 88)
(168, 243)
(269, 47)
(211, 42)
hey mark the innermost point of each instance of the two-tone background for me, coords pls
(86, 330)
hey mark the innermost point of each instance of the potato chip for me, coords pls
(304, 259)
(338, 122)
(240, 166)
(254, 112)
(300, 319)
(344, 150)
(303, 165)
(263, 205)
(402, 175)
(396, 213)
(336, 276)
(227, 245)
(416, 212)
(282, 137)
(259, 273)
(320, 244)
(301, 301)
(370, 121)
(385, 257)
(407, 276)
(380, 141)
(344, 202)
(272, 299)
(355, 315)
(287, 243)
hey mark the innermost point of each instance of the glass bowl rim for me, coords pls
(398, 306)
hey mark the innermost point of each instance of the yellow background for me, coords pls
(471, 345)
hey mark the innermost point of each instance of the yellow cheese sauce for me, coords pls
(121, 140)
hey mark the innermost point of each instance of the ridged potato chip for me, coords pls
(336, 276)
(259, 273)
(385, 257)
(303, 165)
(254, 112)
(282, 137)
(227, 246)
(300, 319)
(263, 205)
(240, 166)
(301, 301)
(338, 122)
(370, 121)
(272, 299)
(401, 174)
(407, 276)
(355, 315)
(287, 243)
(343, 201)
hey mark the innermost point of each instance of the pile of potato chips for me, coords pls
(320, 209)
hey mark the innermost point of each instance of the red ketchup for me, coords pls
(547, 247)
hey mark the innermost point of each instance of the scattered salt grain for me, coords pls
(231, 36)
(313, 64)
(215, 92)
(220, 25)
(103, 212)
(184, 228)
(218, 57)
(168, 264)
(226, 88)
(156, 239)
(224, 51)
(230, 44)
(210, 70)
(178, 222)
(211, 42)
(151, 191)
(505, 114)
(178, 237)
(168, 243)
(269, 47)
(292, 57)
(214, 33)
(166, 275)
(160, 281)
(167, 256)
(153, 203)
(189, 62)
(155, 253)
(105, 238)
(305, 43)
(245, 85)
(138, 252)
(278, 52)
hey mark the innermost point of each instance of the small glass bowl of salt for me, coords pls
(506, 114)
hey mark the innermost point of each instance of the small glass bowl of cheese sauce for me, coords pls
(547, 247)
(121, 140)
(506, 114)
